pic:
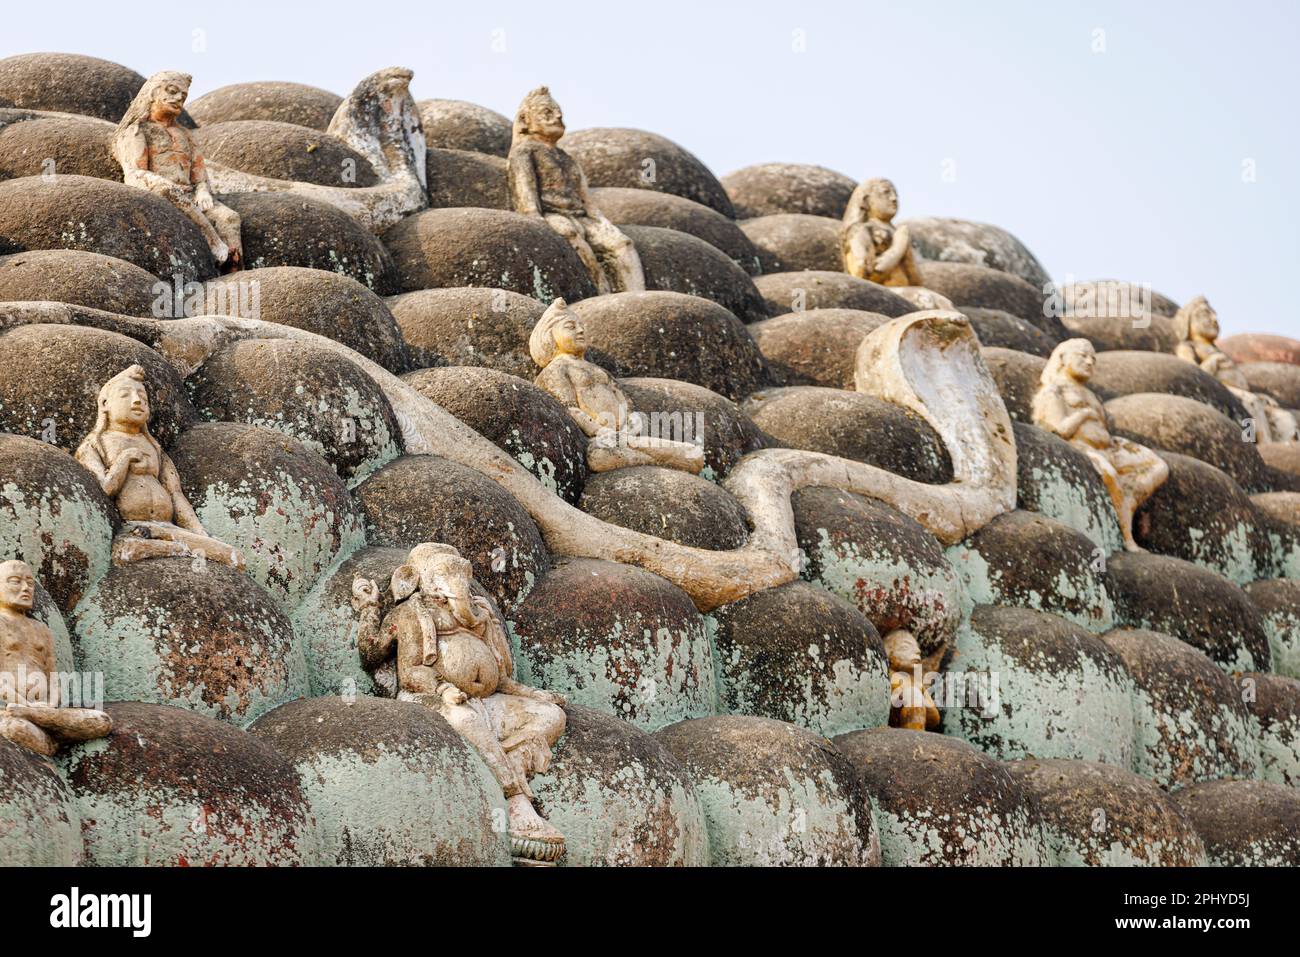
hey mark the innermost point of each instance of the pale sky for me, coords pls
(1140, 141)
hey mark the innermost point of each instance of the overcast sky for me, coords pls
(1143, 141)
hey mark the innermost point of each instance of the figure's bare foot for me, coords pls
(533, 839)
(25, 734)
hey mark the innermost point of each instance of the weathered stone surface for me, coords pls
(389, 783)
(790, 242)
(458, 125)
(469, 327)
(57, 145)
(813, 289)
(1261, 347)
(728, 432)
(1274, 704)
(272, 100)
(175, 789)
(774, 794)
(83, 278)
(679, 262)
(641, 160)
(768, 189)
(940, 802)
(1058, 481)
(1128, 372)
(645, 207)
(1097, 815)
(70, 83)
(463, 178)
(960, 241)
(40, 820)
(284, 151)
(667, 503)
(967, 284)
(1277, 602)
(1152, 334)
(618, 639)
(997, 328)
(1017, 375)
(1115, 298)
(816, 346)
(1281, 380)
(1245, 823)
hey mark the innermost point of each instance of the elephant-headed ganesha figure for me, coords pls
(450, 653)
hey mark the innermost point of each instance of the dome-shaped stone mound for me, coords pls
(1060, 692)
(1277, 602)
(646, 207)
(1116, 298)
(271, 100)
(1281, 380)
(464, 178)
(969, 285)
(618, 639)
(813, 289)
(774, 794)
(1097, 815)
(426, 498)
(390, 784)
(641, 160)
(816, 346)
(458, 125)
(1275, 706)
(53, 516)
(70, 83)
(1190, 722)
(96, 215)
(1128, 372)
(1245, 823)
(194, 634)
(799, 654)
(960, 241)
(58, 145)
(518, 416)
(60, 404)
(994, 327)
(281, 229)
(769, 189)
(1261, 347)
(668, 504)
(279, 503)
(855, 426)
(1030, 561)
(284, 151)
(881, 561)
(791, 242)
(1017, 376)
(679, 262)
(322, 301)
(675, 336)
(40, 815)
(83, 279)
(441, 248)
(469, 327)
(1191, 603)
(172, 788)
(1283, 462)
(620, 797)
(728, 432)
(1144, 334)
(306, 391)
(1058, 480)
(939, 801)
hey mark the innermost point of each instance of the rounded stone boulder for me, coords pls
(1038, 686)
(618, 639)
(1245, 823)
(679, 262)
(469, 327)
(1017, 376)
(273, 100)
(668, 504)
(959, 241)
(791, 242)
(1131, 371)
(1098, 815)
(641, 160)
(769, 189)
(994, 327)
(1277, 603)
(426, 498)
(1057, 480)
(940, 802)
(390, 784)
(620, 797)
(60, 145)
(1274, 704)
(40, 820)
(1261, 347)
(441, 248)
(1146, 333)
(1190, 720)
(816, 289)
(675, 336)
(97, 215)
(170, 788)
(1283, 461)
(70, 83)
(646, 207)
(728, 433)
(967, 284)
(83, 279)
(459, 125)
(1281, 380)
(816, 346)
(799, 654)
(517, 416)
(284, 151)
(462, 178)
(774, 795)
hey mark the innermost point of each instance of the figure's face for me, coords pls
(547, 119)
(903, 650)
(1080, 362)
(17, 586)
(169, 100)
(448, 576)
(882, 200)
(570, 335)
(127, 403)
(1205, 323)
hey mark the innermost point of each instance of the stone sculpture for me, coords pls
(34, 716)
(133, 470)
(546, 181)
(910, 704)
(450, 653)
(558, 345)
(1065, 406)
(873, 247)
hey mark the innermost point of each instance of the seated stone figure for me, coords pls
(1197, 326)
(451, 654)
(558, 345)
(1065, 406)
(546, 181)
(34, 716)
(910, 704)
(873, 247)
(137, 474)
(158, 154)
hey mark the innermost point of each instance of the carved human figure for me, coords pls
(451, 654)
(1197, 326)
(910, 704)
(1065, 406)
(558, 345)
(34, 716)
(158, 154)
(547, 182)
(133, 470)
(872, 246)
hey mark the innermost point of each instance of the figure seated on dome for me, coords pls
(873, 248)
(546, 181)
(1197, 326)
(558, 345)
(134, 471)
(910, 704)
(1065, 406)
(449, 652)
(35, 716)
